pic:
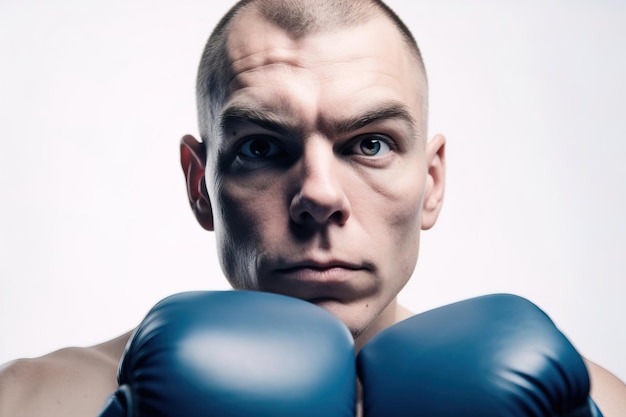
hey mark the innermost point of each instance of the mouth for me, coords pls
(320, 282)
(317, 272)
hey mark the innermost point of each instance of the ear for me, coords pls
(435, 181)
(193, 161)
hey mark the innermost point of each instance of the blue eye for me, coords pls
(371, 146)
(259, 147)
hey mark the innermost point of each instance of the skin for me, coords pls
(301, 218)
(71, 382)
(319, 217)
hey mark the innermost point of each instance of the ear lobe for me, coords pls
(435, 181)
(193, 161)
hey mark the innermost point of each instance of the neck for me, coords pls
(394, 313)
(391, 315)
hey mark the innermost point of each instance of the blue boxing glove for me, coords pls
(495, 355)
(236, 353)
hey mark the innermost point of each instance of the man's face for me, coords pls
(318, 178)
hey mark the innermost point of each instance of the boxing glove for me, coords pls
(236, 353)
(496, 355)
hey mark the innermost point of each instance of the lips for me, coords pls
(319, 271)
(312, 280)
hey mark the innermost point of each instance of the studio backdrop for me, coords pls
(95, 224)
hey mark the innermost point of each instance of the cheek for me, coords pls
(403, 232)
(245, 219)
(243, 206)
(404, 225)
(397, 219)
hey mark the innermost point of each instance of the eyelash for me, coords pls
(273, 148)
(276, 150)
(358, 141)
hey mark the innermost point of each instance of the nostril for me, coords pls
(319, 205)
(305, 216)
(319, 215)
(338, 217)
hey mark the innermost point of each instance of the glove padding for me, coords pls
(236, 353)
(495, 355)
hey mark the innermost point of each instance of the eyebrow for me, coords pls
(258, 115)
(385, 111)
(268, 119)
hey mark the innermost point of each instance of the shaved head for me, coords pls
(296, 17)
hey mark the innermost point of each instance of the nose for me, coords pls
(320, 197)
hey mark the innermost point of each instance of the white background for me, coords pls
(94, 221)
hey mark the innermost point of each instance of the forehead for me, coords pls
(341, 68)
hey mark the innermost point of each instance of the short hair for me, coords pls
(299, 18)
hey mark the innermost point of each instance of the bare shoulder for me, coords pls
(608, 392)
(69, 382)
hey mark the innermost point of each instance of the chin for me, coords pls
(356, 318)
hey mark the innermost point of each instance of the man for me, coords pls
(315, 172)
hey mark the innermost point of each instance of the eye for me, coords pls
(371, 145)
(259, 147)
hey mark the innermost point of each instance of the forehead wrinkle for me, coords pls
(307, 55)
(275, 46)
(266, 58)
